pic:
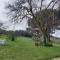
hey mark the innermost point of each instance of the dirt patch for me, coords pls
(56, 59)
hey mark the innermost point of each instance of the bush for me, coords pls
(48, 45)
(13, 39)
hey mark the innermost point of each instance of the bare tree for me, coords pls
(43, 18)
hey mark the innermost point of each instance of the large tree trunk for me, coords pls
(46, 37)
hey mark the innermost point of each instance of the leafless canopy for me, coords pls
(21, 9)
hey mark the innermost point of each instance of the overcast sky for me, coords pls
(4, 18)
(2, 11)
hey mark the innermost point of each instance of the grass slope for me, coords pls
(23, 49)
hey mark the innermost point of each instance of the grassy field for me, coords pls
(23, 49)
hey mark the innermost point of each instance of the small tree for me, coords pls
(44, 21)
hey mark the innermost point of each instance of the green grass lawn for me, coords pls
(23, 49)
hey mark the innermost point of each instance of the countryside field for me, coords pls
(23, 49)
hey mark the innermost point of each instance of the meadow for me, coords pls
(23, 48)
